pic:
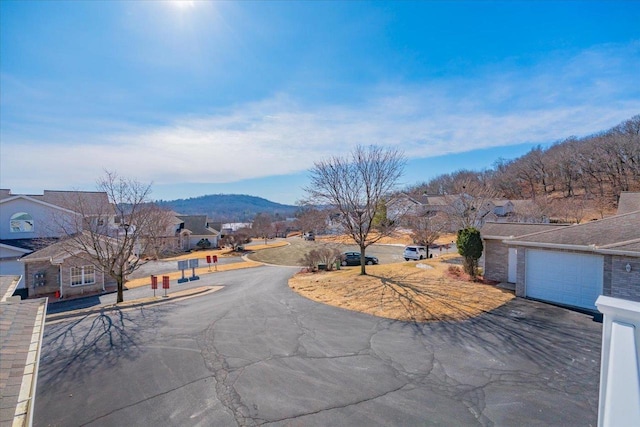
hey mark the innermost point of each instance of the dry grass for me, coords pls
(267, 246)
(402, 291)
(201, 254)
(396, 238)
(226, 252)
(146, 281)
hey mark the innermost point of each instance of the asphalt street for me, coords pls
(256, 353)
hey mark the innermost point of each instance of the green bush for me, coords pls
(470, 247)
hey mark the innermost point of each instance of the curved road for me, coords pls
(256, 353)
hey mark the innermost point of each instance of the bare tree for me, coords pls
(237, 238)
(570, 210)
(112, 227)
(470, 203)
(355, 186)
(262, 226)
(310, 218)
(427, 228)
(160, 231)
(280, 228)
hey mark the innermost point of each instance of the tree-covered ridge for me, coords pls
(594, 169)
(228, 207)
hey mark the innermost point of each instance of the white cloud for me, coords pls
(588, 92)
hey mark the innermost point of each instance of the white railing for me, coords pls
(619, 369)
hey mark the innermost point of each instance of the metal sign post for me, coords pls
(193, 264)
(183, 265)
(154, 284)
(215, 261)
(165, 284)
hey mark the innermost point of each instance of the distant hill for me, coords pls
(228, 207)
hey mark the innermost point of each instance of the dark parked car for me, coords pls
(353, 258)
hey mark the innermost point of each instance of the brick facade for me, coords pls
(623, 284)
(496, 260)
(43, 278)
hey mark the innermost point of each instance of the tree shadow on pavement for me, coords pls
(72, 349)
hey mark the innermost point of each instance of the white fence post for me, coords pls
(619, 403)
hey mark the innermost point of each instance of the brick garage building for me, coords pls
(499, 260)
(573, 265)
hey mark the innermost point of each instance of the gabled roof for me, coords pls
(628, 202)
(197, 225)
(500, 202)
(604, 233)
(433, 200)
(36, 199)
(94, 202)
(510, 230)
(16, 249)
(57, 251)
(523, 204)
(61, 250)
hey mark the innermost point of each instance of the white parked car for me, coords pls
(415, 253)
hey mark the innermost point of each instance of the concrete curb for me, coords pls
(126, 305)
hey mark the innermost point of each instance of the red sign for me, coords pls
(165, 282)
(215, 259)
(154, 282)
(208, 259)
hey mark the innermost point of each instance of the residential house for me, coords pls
(60, 269)
(32, 222)
(575, 264)
(194, 228)
(231, 227)
(28, 223)
(465, 210)
(500, 260)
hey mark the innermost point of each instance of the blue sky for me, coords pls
(242, 97)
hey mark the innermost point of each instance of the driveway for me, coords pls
(256, 353)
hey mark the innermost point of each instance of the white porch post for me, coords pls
(619, 403)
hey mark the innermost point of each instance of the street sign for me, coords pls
(193, 264)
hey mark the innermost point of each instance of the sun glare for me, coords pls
(183, 4)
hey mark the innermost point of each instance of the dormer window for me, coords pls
(21, 222)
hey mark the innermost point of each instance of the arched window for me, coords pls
(21, 222)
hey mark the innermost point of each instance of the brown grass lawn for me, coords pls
(402, 291)
(225, 252)
(395, 238)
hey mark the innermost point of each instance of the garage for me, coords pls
(567, 278)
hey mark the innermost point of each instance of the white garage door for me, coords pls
(565, 278)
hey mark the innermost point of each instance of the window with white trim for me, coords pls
(21, 222)
(85, 275)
